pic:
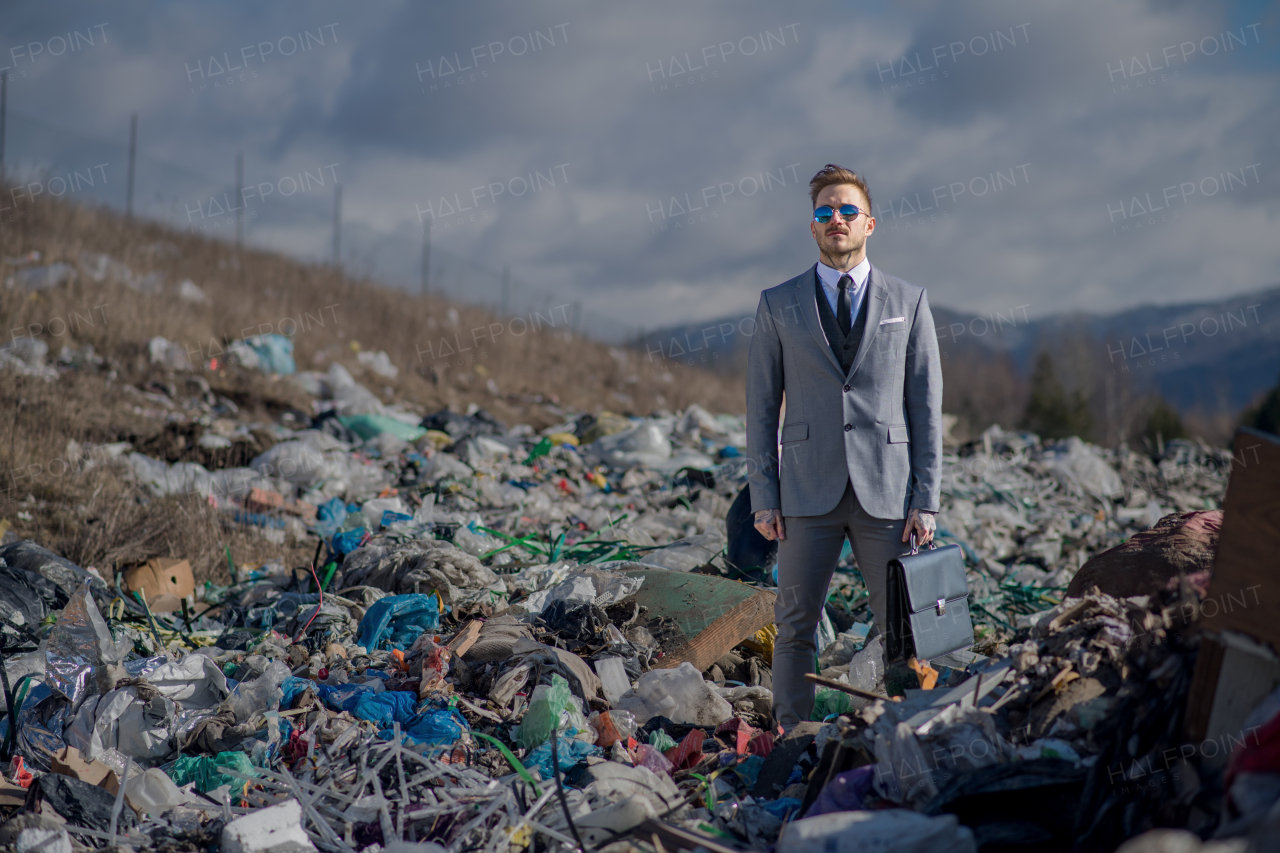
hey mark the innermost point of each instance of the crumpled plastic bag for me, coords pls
(27, 555)
(569, 751)
(555, 710)
(206, 771)
(79, 649)
(147, 718)
(432, 564)
(396, 621)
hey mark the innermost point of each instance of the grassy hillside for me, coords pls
(527, 369)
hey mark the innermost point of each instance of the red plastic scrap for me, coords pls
(761, 744)
(740, 731)
(19, 774)
(688, 752)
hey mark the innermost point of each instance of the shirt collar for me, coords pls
(830, 277)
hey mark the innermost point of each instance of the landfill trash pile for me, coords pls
(513, 638)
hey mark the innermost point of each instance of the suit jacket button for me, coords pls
(848, 427)
(848, 388)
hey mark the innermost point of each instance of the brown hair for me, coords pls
(832, 174)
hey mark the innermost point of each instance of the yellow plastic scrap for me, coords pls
(438, 438)
(559, 438)
(598, 479)
(763, 640)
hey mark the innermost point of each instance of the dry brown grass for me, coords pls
(94, 519)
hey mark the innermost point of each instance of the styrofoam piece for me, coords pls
(41, 839)
(613, 678)
(277, 829)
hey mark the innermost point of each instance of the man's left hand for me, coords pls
(923, 524)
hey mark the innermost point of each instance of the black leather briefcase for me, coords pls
(928, 604)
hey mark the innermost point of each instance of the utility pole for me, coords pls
(240, 199)
(133, 152)
(426, 257)
(337, 224)
(4, 108)
(506, 288)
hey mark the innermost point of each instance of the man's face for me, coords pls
(840, 237)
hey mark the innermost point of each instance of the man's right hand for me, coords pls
(769, 523)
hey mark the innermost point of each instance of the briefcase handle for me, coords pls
(915, 549)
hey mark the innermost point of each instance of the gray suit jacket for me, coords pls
(879, 427)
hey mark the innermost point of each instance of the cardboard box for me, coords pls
(69, 762)
(164, 581)
(260, 500)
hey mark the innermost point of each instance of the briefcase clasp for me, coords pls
(942, 607)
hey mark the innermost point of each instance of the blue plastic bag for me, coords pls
(569, 750)
(390, 517)
(329, 517)
(381, 709)
(293, 687)
(440, 726)
(398, 620)
(275, 353)
(347, 541)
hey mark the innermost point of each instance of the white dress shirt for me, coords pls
(830, 278)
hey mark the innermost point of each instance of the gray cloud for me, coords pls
(998, 163)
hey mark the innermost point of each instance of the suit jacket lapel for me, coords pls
(875, 296)
(806, 291)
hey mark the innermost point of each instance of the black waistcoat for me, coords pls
(845, 347)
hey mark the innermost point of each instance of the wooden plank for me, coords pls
(723, 634)
(698, 618)
(1244, 594)
(465, 638)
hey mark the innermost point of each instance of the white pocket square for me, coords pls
(892, 320)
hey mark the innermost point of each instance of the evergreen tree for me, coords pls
(1164, 422)
(1266, 414)
(1051, 413)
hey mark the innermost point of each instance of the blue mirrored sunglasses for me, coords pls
(847, 212)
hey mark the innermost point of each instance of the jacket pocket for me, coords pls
(898, 434)
(795, 432)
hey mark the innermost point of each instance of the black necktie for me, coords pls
(844, 313)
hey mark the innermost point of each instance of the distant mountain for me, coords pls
(1218, 355)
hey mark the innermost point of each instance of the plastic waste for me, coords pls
(80, 645)
(372, 511)
(897, 830)
(570, 751)
(828, 703)
(439, 726)
(650, 758)
(349, 397)
(276, 829)
(642, 444)
(846, 792)
(207, 771)
(275, 353)
(612, 726)
(396, 621)
(681, 695)
(661, 741)
(28, 556)
(369, 426)
(261, 694)
(613, 677)
(1079, 468)
(154, 793)
(348, 540)
(602, 825)
(41, 839)
(552, 708)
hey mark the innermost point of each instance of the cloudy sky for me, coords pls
(650, 160)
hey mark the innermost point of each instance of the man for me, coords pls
(855, 352)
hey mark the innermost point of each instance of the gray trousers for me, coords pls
(806, 560)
